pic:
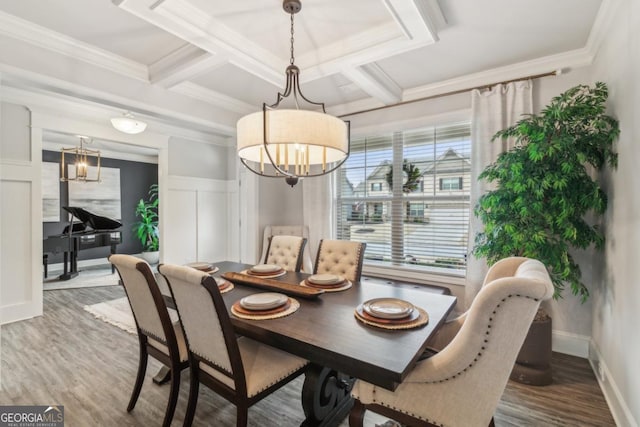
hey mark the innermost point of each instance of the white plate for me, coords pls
(325, 279)
(263, 301)
(266, 268)
(202, 266)
(388, 308)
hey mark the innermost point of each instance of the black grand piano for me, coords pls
(93, 231)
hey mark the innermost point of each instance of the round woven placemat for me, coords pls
(294, 305)
(422, 320)
(344, 287)
(271, 276)
(227, 289)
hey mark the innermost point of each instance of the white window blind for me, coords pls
(418, 214)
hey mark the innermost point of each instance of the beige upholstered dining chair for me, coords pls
(159, 335)
(288, 230)
(341, 257)
(241, 370)
(286, 251)
(462, 384)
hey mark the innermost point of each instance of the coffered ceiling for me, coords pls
(353, 54)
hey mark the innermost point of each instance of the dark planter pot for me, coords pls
(533, 365)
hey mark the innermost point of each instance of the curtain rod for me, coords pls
(455, 92)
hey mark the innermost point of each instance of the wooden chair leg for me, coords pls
(356, 416)
(173, 396)
(194, 385)
(142, 369)
(243, 415)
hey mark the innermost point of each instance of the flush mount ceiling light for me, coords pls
(128, 124)
(292, 142)
(82, 167)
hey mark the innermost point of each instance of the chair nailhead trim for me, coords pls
(430, 421)
(482, 348)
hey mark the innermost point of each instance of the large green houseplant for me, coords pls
(546, 200)
(146, 228)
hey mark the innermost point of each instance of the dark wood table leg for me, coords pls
(326, 396)
(163, 375)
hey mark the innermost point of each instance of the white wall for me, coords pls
(198, 159)
(202, 204)
(615, 348)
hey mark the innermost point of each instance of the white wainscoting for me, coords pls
(21, 228)
(198, 222)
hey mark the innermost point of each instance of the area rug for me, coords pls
(87, 278)
(116, 312)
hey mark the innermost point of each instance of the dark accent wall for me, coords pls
(135, 179)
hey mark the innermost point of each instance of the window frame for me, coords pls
(418, 274)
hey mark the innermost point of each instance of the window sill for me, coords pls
(443, 276)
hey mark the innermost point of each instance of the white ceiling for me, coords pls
(232, 54)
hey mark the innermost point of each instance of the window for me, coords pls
(451, 183)
(419, 218)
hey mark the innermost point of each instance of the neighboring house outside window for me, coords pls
(422, 223)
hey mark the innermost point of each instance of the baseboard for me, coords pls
(571, 344)
(619, 409)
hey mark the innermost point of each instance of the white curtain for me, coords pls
(317, 195)
(491, 110)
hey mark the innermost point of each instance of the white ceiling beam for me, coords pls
(374, 81)
(184, 20)
(183, 64)
(34, 34)
(214, 98)
(416, 18)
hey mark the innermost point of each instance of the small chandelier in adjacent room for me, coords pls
(128, 124)
(292, 143)
(82, 167)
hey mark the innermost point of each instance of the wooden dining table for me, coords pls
(340, 348)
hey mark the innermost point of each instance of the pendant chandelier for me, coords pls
(81, 164)
(291, 142)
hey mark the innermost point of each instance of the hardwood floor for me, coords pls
(68, 357)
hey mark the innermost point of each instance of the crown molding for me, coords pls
(215, 98)
(601, 25)
(572, 59)
(41, 86)
(31, 33)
